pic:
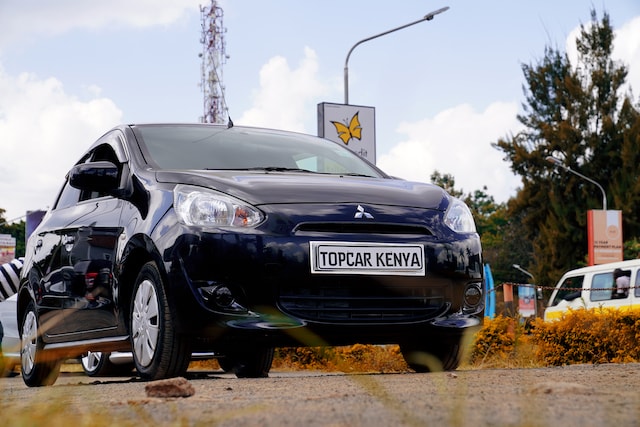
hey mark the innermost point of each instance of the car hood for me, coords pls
(261, 188)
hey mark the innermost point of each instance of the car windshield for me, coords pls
(571, 288)
(220, 148)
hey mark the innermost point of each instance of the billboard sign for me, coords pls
(351, 125)
(7, 248)
(527, 300)
(604, 236)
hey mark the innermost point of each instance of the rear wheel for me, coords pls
(248, 363)
(98, 364)
(436, 357)
(38, 369)
(159, 351)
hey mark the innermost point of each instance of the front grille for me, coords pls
(362, 228)
(359, 302)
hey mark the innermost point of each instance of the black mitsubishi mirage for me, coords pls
(169, 239)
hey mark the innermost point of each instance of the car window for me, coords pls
(220, 148)
(568, 287)
(636, 291)
(602, 286)
(69, 196)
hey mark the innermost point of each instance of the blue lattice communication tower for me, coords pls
(213, 57)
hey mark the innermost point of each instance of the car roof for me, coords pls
(603, 267)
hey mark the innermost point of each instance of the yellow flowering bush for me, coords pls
(355, 358)
(580, 336)
(501, 342)
(589, 336)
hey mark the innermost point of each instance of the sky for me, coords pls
(443, 90)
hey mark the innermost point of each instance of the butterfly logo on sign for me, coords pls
(347, 132)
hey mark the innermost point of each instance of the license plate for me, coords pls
(367, 258)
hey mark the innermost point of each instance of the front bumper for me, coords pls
(231, 288)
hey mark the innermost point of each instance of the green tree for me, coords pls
(580, 114)
(447, 182)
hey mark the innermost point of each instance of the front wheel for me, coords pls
(159, 351)
(38, 368)
(435, 357)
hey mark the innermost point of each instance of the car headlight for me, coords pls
(458, 217)
(204, 207)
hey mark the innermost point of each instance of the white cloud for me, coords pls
(20, 19)
(627, 49)
(285, 94)
(457, 142)
(44, 130)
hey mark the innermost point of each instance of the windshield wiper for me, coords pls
(263, 168)
(356, 174)
(279, 169)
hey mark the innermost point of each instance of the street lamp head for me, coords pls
(517, 267)
(553, 160)
(429, 16)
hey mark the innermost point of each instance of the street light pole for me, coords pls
(428, 17)
(559, 163)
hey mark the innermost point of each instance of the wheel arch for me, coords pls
(26, 294)
(139, 251)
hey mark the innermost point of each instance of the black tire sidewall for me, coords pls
(44, 372)
(172, 354)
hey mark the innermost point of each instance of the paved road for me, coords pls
(582, 395)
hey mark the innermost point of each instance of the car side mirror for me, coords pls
(95, 176)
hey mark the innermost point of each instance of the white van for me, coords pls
(593, 287)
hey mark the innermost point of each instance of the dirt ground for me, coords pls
(572, 396)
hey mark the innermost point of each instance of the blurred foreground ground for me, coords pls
(578, 395)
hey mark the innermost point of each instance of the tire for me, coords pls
(98, 364)
(437, 357)
(38, 369)
(159, 351)
(248, 363)
(226, 364)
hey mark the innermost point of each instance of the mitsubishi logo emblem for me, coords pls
(361, 213)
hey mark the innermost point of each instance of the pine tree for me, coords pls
(580, 114)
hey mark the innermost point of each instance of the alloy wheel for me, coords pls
(145, 320)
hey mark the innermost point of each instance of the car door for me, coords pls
(82, 234)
